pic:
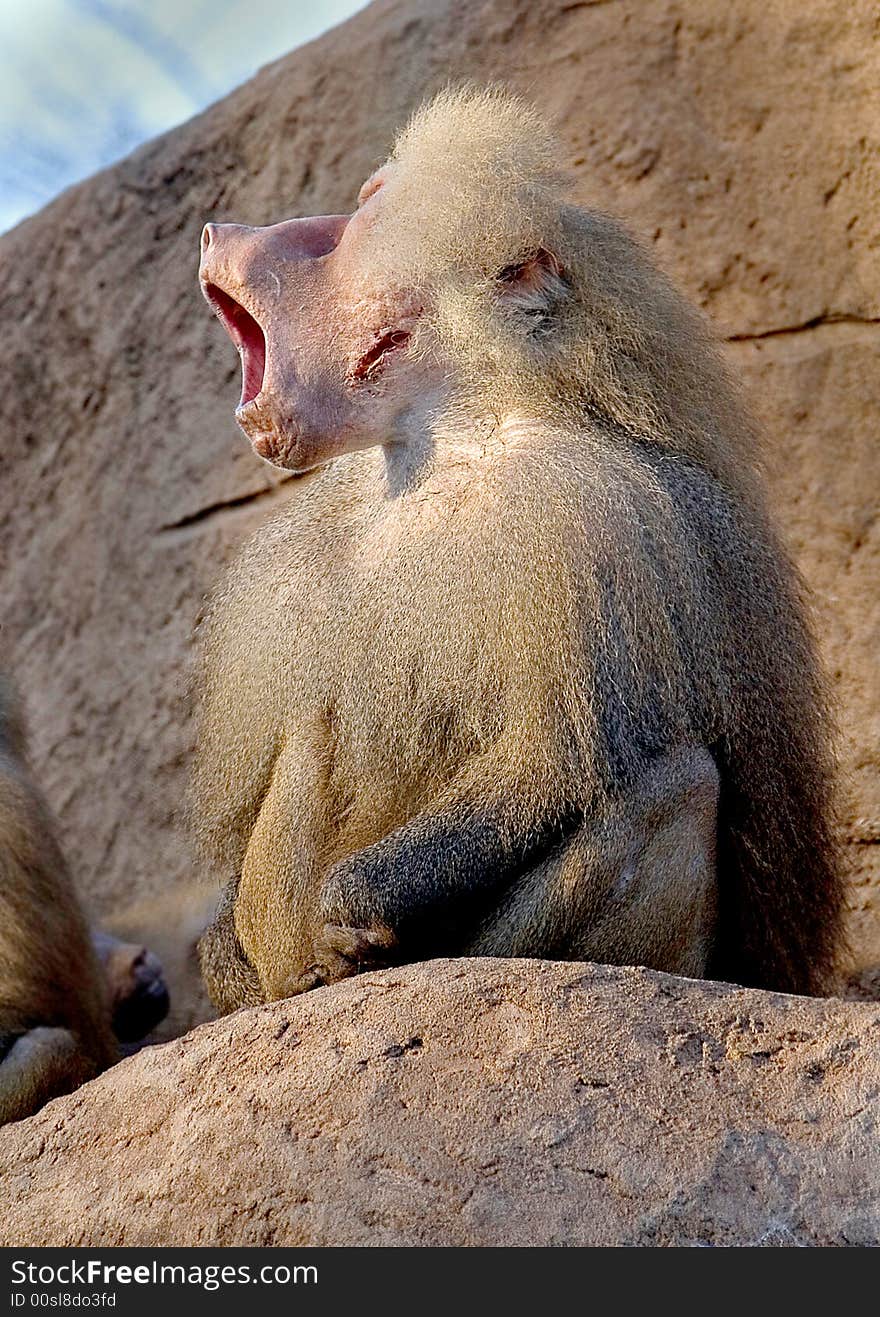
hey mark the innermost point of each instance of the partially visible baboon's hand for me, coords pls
(341, 951)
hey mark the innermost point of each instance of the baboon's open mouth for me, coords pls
(247, 336)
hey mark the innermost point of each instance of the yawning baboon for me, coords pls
(523, 668)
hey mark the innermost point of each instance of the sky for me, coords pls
(83, 82)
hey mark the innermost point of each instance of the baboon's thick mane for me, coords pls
(474, 189)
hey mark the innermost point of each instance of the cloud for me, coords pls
(85, 81)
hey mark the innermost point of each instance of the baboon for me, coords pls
(522, 669)
(62, 992)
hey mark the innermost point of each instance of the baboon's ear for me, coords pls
(536, 274)
(532, 292)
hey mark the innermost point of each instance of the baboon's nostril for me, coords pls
(206, 237)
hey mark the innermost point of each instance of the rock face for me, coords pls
(742, 140)
(473, 1103)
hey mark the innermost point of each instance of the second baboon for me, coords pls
(523, 668)
(63, 993)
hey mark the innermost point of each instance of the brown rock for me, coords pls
(742, 141)
(473, 1102)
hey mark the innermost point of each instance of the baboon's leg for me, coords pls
(274, 906)
(636, 886)
(230, 978)
(37, 1066)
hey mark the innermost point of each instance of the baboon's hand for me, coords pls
(341, 951)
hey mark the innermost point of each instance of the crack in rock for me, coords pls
(814, 323)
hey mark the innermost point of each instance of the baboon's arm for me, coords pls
(463, 850)
(451, 865)
(41, 1064)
